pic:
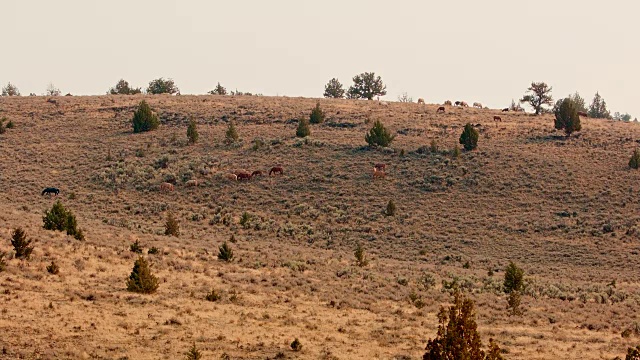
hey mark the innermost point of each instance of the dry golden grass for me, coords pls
(294, 273)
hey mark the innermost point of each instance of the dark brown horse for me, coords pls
(583, 114)
(497, 118)
(505, 110)
(380, 166)
(440, 109)
(276, 170)
(244, 176)
(256, 173)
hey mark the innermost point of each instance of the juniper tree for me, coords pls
(513, 278)
(379, 135)
(21, 244)
(303, 129)
(123, 88)
(10, 90)
(231, 136)
(360, 255)
(141, 279)
(192, 132)
(567, 118)
(144, 119)
(225, 252)
(171, 226)
(366, 86)
(162, 86)
(539, 94)
(469, 137)
(334, 89)
(219, 90)
(598, 108)
(317, 115)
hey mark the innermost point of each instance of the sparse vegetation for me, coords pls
(52, 90)
(3, 263)
(469, 137)
(391, 208)
(213, 296)
(405, 98)
(141, 279)
(379, 135)
(61, 219)
(136, 247)
(171, 226)
(144, 119)
(513, 278)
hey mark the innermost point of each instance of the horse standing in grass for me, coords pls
(276, 170)
(192, 183)
(440, 109)
(51, 190)
(244, 176)
(378, 173)
(256, 173)
(380, 166)
(166, 187)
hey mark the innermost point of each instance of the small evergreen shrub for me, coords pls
(10, 125)
(469, 137)
(567, 118)
(360, 255)
(433, 148)
(317, 115)
(194, 353)
(455, 153)
(171, 226)
(21, 244)
(144, 119)
(192, 132)
(634, 162)
(303, 129)
(391, 208)
(135, 247)
(296, 345)
(213, 296)
(53, 268)
(141, 279)
(225, 253)
(513, 303)
(219, 90)
(245, 220)
(231, 136)
(379, 135)
(513, 278)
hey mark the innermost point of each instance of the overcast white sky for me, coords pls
(486, 51)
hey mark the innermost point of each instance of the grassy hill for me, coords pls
(565, 210)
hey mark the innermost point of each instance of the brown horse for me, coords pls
(448, 102)
(239, 171)
(256, 173)
(231, 177)
(420, 101)
(583, 114)
(497, 118)
(192, 183)
(378, 173)
(244, 176)
(477, 105)
(440, 109)
(276, 170)
(464, 104)
(380, 166)
(166, 186)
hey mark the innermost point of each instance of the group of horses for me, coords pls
(236, 175)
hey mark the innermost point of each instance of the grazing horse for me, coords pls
(166, 186)
(477, 105)
(256, 173)
(380, 166)
(244, 176)
(505, 110)
(457, 103)
(276, 170)
(583, 114)
(420, 101)
(448, 102)
(440, 109)
(231, 177)
(497, 118)
(378, 173)
(464, 104)
(51, 190)
(192, 183)
(240, 171)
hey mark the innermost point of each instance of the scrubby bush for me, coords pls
(162, 86)
(213, 296)
(135, 247)
(334, 89)
(153, 250)
(194, 353)
(144, 119)
(2, 127)
(457, 336)
(391, 208)
(513, 303)
(219, 90)
(52, 90)
(379, 135)
(61, 219)
(598, 108)
(53, 268)
(567, 118)
(361, 256)
(469, 137)
(303, 129)
(171, 226)
(10, 125)
(192, 132)
(231, 136)
(634, 162)
(141, 279)
(317, 115)
(296, 345)
(122, 88)
(225, 253)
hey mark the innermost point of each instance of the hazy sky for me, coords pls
(487, 51)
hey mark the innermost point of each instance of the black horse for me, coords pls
(51, 190)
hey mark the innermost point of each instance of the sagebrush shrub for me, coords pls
(135, 247)
(225, 252)
(213, 296)
(317, 115)
(469, 137)
(141, 279)
(144, 119)
(379, 135)
(21, 244)
(3, 263)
